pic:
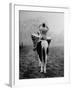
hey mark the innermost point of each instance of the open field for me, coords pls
(29, 68)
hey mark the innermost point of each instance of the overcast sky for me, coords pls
(30, 20)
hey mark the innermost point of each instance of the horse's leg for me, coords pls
(39, 61)
(41, 67)
(45, 64)
(44, 67)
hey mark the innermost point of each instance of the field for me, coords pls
(29, 68)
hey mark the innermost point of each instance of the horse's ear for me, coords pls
(48, 40)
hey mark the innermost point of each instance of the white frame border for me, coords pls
(14, 45)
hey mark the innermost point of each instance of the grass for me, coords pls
(28, 63)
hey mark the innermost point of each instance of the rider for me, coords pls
(43, 31)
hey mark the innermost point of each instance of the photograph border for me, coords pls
(14, 46)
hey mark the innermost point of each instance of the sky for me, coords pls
(29, 22)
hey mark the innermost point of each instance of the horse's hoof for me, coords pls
(44, 71)
(41, 71)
